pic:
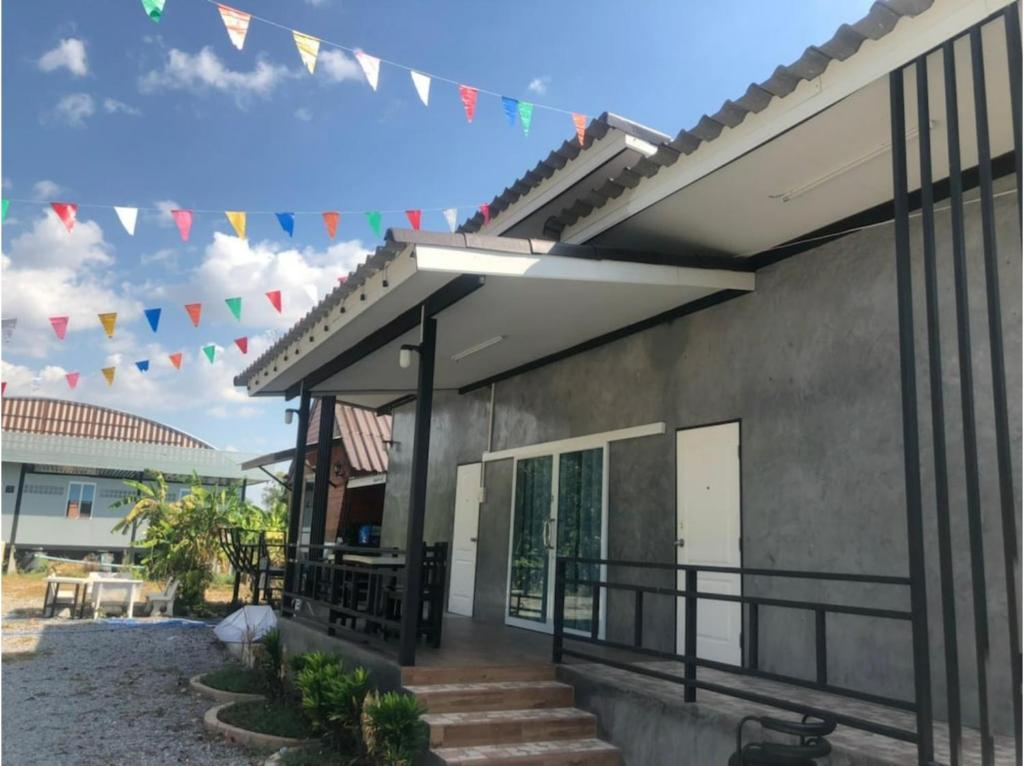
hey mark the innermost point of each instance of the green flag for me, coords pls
(210, 351)
(235, 304)
(525, 116)
(154, 8)
(3, 215)
(374, 219)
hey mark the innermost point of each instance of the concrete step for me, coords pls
(495, 727)
(577, 752)
(420, 676)
(498, 695)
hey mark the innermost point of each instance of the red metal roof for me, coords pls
(362, 433)
(88, 421)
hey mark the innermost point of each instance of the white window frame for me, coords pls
(92, 504)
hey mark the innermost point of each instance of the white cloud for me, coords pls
(74, 108)
(166, 257)
(204, 71)
(162, 216)
(337, 66)
(113, 106)
(46, 190)
(69, 54)
(539, 85)
(303, 114)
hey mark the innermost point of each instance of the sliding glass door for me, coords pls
(530, 563)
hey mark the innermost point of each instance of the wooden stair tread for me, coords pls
(493, 727)
(484, 686)
(421, 676)
(492, 716)
(497, 695)
(574, 752)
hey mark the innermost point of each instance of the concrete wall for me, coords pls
(810, 365)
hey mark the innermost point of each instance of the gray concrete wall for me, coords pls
(810, 365)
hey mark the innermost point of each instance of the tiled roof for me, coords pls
(362, 433)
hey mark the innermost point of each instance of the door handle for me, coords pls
(681, 543)
(472, 539)
(547, 533)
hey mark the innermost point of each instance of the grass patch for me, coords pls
(235, 678)
(277, 718)
(313, 756)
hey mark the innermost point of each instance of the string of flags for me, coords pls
(237, 22)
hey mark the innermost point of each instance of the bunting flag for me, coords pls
(287, 221)
(243, 345)
(331, 219)
(175, 360)
(153, 317)
(373, 218)
(414, 216)
(8, 326)
(237, 220)
(143, 365)
(580, 121)
(127, 216)
(108, 373)
(66, 212)
(486, 210)
(451, 215)
(153, 8)
(371, 67)
(184, 220)
(3, 388)
(511, 107)
(343, 279)
(235, 304)
(274, 296)
(108, 321)
(236, 23)
(72, 379)
(309, 49)
(468, 96)
(60, 326)
(525, 116)
(194, 310)
(422, 84)
(6, 204)
(210, 351)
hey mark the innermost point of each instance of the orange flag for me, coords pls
(194, 310)
(175, 360)
(580, 121)
(108, 321)
(108, 373)
(331, 219)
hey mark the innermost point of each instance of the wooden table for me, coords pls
(97, 597)
(50, 598)
(388, 560)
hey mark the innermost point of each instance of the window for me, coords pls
(80, 497)
(184, 492)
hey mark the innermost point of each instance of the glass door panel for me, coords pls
(531, 537)
(580, 504)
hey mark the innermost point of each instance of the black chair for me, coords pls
(812, 745)
(431, 617)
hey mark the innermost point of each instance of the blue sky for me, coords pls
(103, 106)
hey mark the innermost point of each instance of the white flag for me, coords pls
(236, 23)
(309, 49)
(422, 84)
(127, 216)
(371, 67)
(451, 215)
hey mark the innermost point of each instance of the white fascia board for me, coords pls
(576, 443)
(486, 263)
(367, 481)
(911, 37)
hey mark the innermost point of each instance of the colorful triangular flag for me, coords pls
(154, 8)
(3, 388)
(72, 379)
(108, 373)
(66, 212)
(3, 214)
(243, 345)
(373, 218)
(143, 365)
(511, 106)
(8, 326)
(525, 116)
(235, 304)
(414, 216)
(108, 320)
(343, 279)
(486, 210)
(210, 351)
(194, 311)
(371, 67)
(153, 317)
(422, 84)
(331, 219)
(236, 23)
(580, 121)
(237, 220)
(274, 296)
(127, 216)
(468, 95)
(183, 218)
(60, 326)
(309, 49)
(287, 221)
(175, 360)
(451, 215)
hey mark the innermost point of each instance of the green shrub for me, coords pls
(270, 662)
(345, 696)
(393, 731)
(319, 672)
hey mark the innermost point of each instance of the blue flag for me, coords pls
(153, 315)
(287, 221)
(143, 365)
(511, 106)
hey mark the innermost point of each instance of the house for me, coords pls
(722, 423)
(64, 466)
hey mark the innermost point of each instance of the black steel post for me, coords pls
(1004, 458)
(295, 508)
(418, 494)
(820, 647)
(911, 450)
(322, 477)
(938, 412)
(690, 635)
(12, 567)
(754, 640)
(559, 611)
(595, 611)
(638, 619)
(1013, 57)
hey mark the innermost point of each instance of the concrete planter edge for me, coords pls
(245, 737)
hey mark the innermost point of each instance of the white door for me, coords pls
(467, 520)
(708, 533)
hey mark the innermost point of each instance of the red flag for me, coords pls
(343, 279)
(580, 121)
(414, 217)
(468, 96)
(243, 345)
(60, 326)
(66, 212)
(486, 210)
(3, 388)
(275, 299)
(175, 360)
(331, 219)
(194, 310)
(72, 378)
(184, 220)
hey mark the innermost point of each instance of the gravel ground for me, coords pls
(79, 692)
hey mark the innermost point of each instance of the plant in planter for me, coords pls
(333, 699)
(317, 672)
(270, 663)
(393, 730)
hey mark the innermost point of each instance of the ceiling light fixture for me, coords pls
(478, 347)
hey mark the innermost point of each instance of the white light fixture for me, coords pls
(288, 415)
(478, 347)
(405, 356)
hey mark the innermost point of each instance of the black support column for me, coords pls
(11, 566)
(322, 478)
(295, 508)
(418, 493)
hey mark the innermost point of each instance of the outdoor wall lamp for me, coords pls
(288, 415)
(405, 355)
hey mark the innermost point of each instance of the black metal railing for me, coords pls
(691, 595)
